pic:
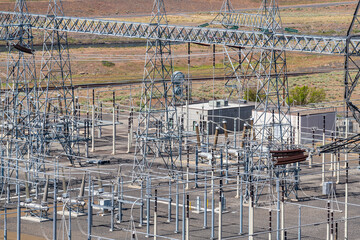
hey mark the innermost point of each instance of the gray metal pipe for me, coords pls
(183, 213)
(251, 213)
(299, 228)
(220, 211)
(241, 209)
(69, 232)
(89, 209)
(55, 208)
(155, 215)
(142, 204)
(121, 197)
(148, 195)
(18, 216)
(5, 223)
(187, 235)
(270, 225)
(177, 206)
(93, 122)
(169, 204)
(278, 210)
(114, 127)
(205, 201)
(212, 204)
(112, 210)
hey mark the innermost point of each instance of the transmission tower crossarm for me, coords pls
(10, 32)
(230, 37)
(351, 144)
(240, 19)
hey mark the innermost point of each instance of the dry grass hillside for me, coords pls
(126, 62)
(92, 8)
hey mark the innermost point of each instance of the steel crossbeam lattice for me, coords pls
(218, 36)
(229, 18)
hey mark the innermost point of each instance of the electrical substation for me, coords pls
(171, 165)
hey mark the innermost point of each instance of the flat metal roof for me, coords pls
(206, 106)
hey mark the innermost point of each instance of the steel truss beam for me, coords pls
(236, 38)
(231, 19)
(262, 20)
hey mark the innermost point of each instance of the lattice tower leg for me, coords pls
(58, 97)
(158, 135)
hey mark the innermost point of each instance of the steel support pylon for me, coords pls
(271, 123)
(351, 79)
(21, 117)
(58, 98)
(158, 135)
(352, 64)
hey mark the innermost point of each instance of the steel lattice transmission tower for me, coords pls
(223, 16)
(272, 90)
(233, 72)
(58, 96)
(158, 133)
(352, 65)
(240, 66)
(272, 126)
(21, 117)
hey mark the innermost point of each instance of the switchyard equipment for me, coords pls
(37, 113)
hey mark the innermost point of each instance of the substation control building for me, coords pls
(307, 122)
(213, 113)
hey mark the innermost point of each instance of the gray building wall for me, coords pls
(228, 114)
(316, 121)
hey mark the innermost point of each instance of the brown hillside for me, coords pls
(92, 8)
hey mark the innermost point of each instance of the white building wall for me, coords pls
(300, 129)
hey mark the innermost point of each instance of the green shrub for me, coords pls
(251, 93)
(107, 63)
(306, 95)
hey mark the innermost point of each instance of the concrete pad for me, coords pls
(34, 219)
